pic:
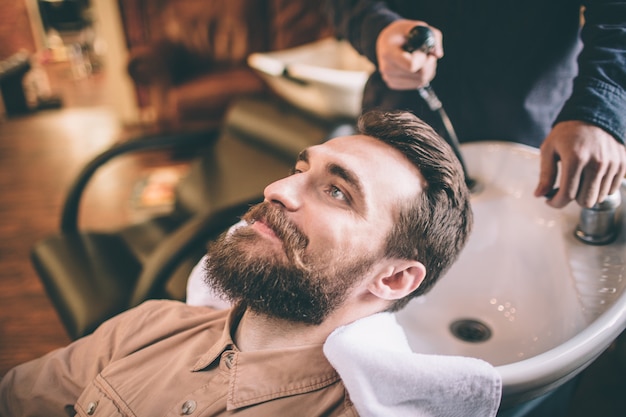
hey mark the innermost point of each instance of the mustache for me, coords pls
(294, 240)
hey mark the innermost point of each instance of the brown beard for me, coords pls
(296, 287)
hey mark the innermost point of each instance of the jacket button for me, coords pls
(91, 407)
(188, 407)
(229, 359)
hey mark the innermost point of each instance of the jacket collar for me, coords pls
(259, 376)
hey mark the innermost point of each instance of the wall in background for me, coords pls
(108, 25)
(15, 30)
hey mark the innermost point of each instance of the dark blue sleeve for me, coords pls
(360, 22)
(599, 93)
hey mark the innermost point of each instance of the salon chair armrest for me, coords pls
(170, 253)
(69, 215)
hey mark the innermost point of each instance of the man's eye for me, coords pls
(337, 194)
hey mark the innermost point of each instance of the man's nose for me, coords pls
(286, 192)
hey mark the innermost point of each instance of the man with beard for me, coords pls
(363, 224)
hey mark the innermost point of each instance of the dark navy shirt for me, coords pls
(512, 68)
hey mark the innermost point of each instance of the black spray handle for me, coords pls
(420, 38)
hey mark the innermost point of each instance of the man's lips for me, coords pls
(261, 227)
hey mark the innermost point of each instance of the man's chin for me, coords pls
(288, 313)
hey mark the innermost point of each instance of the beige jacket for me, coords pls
(165, 358)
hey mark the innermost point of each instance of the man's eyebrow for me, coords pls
(348, 176)
(335, 169)
(303, 156)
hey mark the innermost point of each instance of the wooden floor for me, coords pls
(41, 153)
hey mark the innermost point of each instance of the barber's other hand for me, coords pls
(593, 164)
(400, 69)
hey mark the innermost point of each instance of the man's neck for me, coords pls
(256, 332)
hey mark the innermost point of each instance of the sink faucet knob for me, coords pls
(599, 224)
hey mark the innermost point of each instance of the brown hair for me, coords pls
(433, 228)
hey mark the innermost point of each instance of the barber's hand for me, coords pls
(400, 69)
(593, 164)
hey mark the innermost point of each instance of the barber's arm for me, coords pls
(360, 22)
(380, 33)
(588, 135)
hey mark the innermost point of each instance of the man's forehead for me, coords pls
(356, 145)
(367, 156)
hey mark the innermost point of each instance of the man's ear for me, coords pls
(398, 279)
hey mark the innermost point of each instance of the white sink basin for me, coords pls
(545, 303)
(325, 77)
(525, 295)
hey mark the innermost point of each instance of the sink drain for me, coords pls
(469, 330)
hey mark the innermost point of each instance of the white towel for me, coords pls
(385, 378)
(199, 293)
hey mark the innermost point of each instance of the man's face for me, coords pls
(319, 231)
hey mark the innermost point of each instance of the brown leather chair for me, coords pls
(195, 63)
